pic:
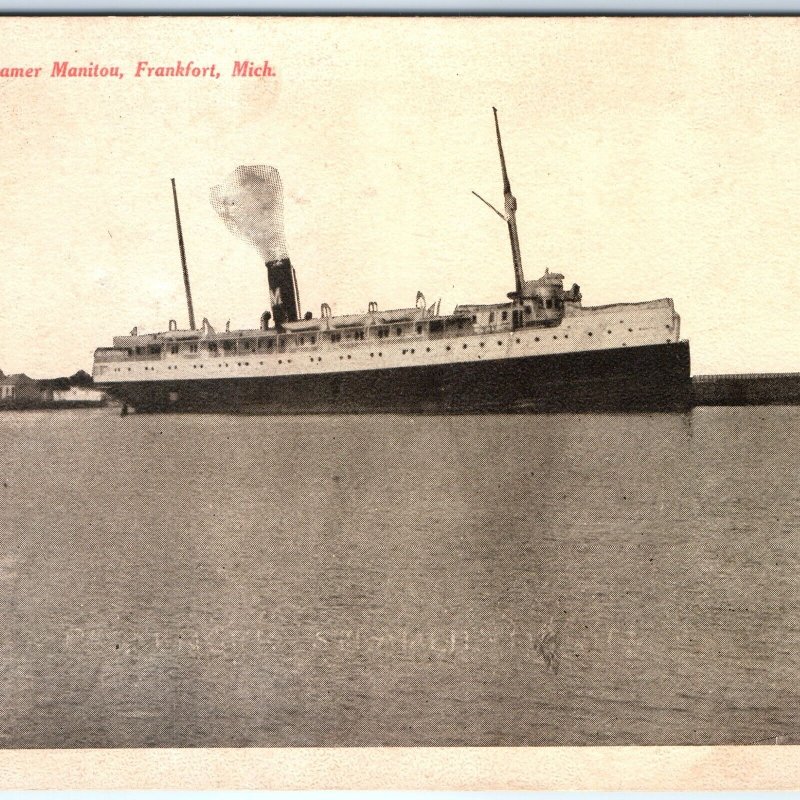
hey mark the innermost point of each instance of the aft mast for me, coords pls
(510, 215)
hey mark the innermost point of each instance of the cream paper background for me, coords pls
(650, 158)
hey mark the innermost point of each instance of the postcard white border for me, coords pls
(456, 769)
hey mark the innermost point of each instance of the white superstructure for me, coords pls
(550, 321)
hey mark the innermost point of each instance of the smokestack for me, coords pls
(283, 295)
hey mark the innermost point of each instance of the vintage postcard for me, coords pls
(400, 402)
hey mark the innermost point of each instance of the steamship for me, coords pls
(539, 350)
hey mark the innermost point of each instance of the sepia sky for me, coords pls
(649, 157)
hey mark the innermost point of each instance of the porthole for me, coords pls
(589, 333)
(380, 355)
(372, 355)
(535, 338)
(555, 337)
(483, 343)
(608, 331)
(311, 359)
(348, 355)
(464, 346)
(319, 358)
(280, 361)
(630, 330)
(517, 341)
(566, 336)
(341, 358)
(448, 347)
(427, 349)
(412, 352)
(499, 344)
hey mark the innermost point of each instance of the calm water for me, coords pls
(317, 581)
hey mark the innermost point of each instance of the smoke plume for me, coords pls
(250, 203)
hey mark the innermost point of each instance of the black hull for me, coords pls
(632, 379)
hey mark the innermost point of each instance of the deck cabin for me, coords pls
(544, 304)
